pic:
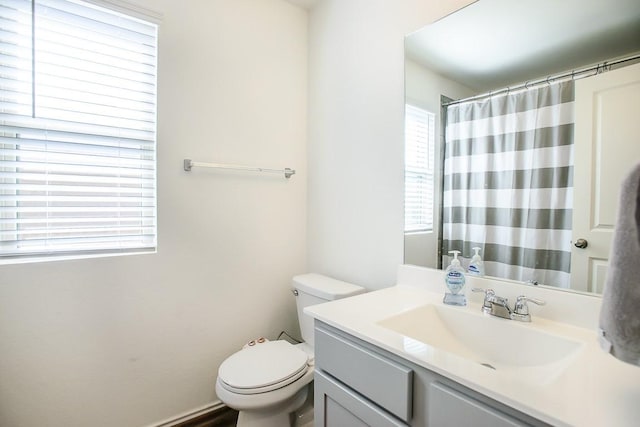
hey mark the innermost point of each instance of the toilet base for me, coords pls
(303, 417)
(275, 416)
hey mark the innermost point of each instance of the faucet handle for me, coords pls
(486, 291)
(521, 309)
(489, 295)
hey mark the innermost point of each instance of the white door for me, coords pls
(607, 145)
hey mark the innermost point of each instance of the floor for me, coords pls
(229, 417)
(224, 418)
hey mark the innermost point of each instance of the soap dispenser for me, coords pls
(454, 279)
(476, 266)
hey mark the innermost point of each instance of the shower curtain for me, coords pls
(508, 178)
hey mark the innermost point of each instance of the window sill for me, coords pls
(72, 257)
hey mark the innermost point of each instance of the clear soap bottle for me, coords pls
(476, 266)
(455, 280)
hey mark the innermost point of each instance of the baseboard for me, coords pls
(207, 415)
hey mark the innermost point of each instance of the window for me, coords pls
(77, 130)
(419, 169)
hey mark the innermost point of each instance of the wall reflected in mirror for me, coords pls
(492, 177)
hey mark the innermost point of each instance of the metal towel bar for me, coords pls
(188, 164)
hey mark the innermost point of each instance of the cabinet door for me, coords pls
(450, 408)
(336, 405)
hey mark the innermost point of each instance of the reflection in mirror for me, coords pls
(529, 170)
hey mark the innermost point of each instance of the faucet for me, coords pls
(499, 306)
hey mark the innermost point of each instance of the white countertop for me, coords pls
(595, 389)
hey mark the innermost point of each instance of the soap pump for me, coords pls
(476, 266)
(454, 279)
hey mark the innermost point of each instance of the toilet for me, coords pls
(269, 382)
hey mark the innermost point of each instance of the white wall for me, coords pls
(356, 128)
(129, 341)
(424, 88)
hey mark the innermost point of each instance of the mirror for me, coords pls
(495, 44)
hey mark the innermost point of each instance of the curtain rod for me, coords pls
(598, 68)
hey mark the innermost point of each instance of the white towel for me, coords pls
(620, 314)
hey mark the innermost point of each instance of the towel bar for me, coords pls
(188, 164)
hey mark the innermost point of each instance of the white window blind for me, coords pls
(419, 169)
(77, 130)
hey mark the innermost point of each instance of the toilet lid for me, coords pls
(263, 367)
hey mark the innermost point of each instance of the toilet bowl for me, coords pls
(268, 382)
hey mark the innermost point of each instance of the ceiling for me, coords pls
(492, 44)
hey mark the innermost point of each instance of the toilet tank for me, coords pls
(312, 289)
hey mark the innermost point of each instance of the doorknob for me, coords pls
(581, 244)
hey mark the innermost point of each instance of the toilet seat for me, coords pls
(263, 368)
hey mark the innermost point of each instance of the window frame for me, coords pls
(419, 169)
(117, 11)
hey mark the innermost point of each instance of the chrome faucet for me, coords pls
(499, 306)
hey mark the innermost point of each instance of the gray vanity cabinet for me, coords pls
(359, 384)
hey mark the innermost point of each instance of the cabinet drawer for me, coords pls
(448, 407)
(381, 380)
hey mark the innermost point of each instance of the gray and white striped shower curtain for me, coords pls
(508, 181)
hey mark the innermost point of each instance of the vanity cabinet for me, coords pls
(359, 384)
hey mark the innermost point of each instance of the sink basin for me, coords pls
(493, 342)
